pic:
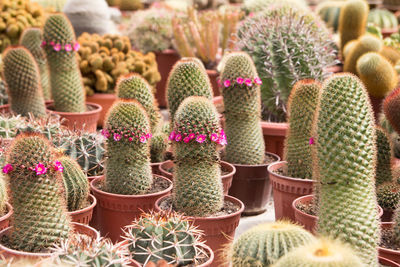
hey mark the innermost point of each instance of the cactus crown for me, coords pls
(388, 195)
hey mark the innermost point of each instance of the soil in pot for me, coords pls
(5, 218)
(84, 215)
(388, 248)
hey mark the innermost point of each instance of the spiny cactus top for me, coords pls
(66, 81)
(196, 137)
(384, 154)
(264, 244)
(187, 78)
(127, 131)
(345, 153)
(391, 106)
(303, 102)
(40, 217)
(21, 75)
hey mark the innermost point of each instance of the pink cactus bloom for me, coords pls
(178, 137)
(239, 80)
(44, 43)
(257, 81)
(57, 47)
(143, 139)
(312, 141)
(105, 133)
(58, 166)
(227, 83)
(171, 136)
(8, 168)
(201, 138)
(77, 46)
(214, 137)
(186, 139)
(52, 43)
(40, 169)
(248, 82)
(117, 137)
(68, 47)
(191, 136)
(149, 135)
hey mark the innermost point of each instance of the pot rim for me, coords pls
(385, 261)
(168, 51)
(92, 201)
(284, 163)
(10, 212)
(260, 165)
(93, 186)
(97, 109)
(104, 96)
(298, 200)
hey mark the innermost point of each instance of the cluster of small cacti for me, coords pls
(15, 16)
(103, 59)
(382, 18)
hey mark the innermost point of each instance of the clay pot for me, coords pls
(5, 109)
(213, 75)
(116, 211)
(165, 60)
(335, 68)
(226, 179)
(286, 190)
(388, 32)
(93, 221)
(17, 255)
(251, 185)
(5, 219)
(155, 168)
(105, 101)
(387, 262)
(84, 215)
(274, 136)
(218, 231)
(86, 120)
(390, 254)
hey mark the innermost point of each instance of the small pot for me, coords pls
(105, 101)
(115, 211)
(84, 215)
(286, 190)
(5, 109)
(274, 136)
(155, 168)
(17, 255)
(387, 262)
(5, 219)
(390, 254)
(226, 179)
(218, 231)
(93, 222)
(251, 185)
(213, 75)
(165, 60)
(388, 32)
(85, 120)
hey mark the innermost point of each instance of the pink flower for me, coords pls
(130, 139)
(227, 83)
(143, 139)
(8, 168)
(68, 47)
(178, 137)
(105, 133)
(214, 137)
(239, 80)
(57, 47)
(251, 14)
(44, 43)
(222, 141)
(171, 136)
(201, 138)
(257, 81)
(191, 136)
(52, 43)
(149, 135)
(40, 169)
(311, 141)
(248, 82)
(117, 137)
(186, 139)
(219, 83)
(58, 166)
(77, 46)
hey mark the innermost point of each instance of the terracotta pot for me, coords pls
(218, 231)
(387, 262)
(251, 185)
(84, 215)
(388, 32)
(93, 222)
(11, 253)
(105, 101)
(274, 136)
(5, 219)
(213, 75)
(5, 108)
(85, 120)
(165, 61)
(390, 254)
(116, 211)
(335, 68)
(155, 168)
(286, 190)
(226, 179)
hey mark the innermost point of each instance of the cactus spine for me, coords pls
(66, 81)
(3, 194)
(345, 153)
(384, 156)
(21, 75)
(303, 101)
(391, 106)
(242, 104)
(197, 175)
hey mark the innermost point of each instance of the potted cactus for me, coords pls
(5, 208)
(128, 185)
(384, 19)
(66, 81)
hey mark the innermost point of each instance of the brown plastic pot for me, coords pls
(286, 190)
(155, 168)
(5, 219)
(225, 166)
(388, 32)
(73, 120)
(5, 109)
(218, 231)
(17, 255)
(251, 185)
(274, 136)
(387, 262)
(84, 215)
(116, 211)
(390, 254)
(105, 101)
(213, 75)
(165, 61)
(93, 221)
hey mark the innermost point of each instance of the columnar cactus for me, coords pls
(3, 194)
(21, 75)
(127, 130)
(61, 48)
(303, 102)
(264, 244)
(158, 147)
(31, 39)
(384, 156)
(345, 153)
(40, 217)
(391, 106)
(396, 227)
(242, 103)
(197, 175)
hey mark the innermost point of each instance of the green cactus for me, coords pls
(382, 18)
(3, 194)
(302, 104)
(40, 217)
(345, 153)
(391, 106)
(264, 244)
(384, 156)
(396, 227)
(21, 75)
(377, 74)
(388, 195)
(66, 81)
(329, 11)
(3, 91)
(187, 78)
(76, 184)
(128, 168)
(158, 147)
(352, 20)
(321, 253)
(348, 47)
(164, 235)
(31, 39)
(10, 125)
(197, 174)
(390, 54)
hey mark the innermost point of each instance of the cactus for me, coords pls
(321, 253)
(352, 21)
(396, 227)
(10, 125)
(40, 217)
(52, 5)
(264, 244)
(130, 4)
(127, 131)
(31, 39)
(391, 105)
(66, 81)
(197, 174)
(302, 104)
(158, 147)
(3, 194)
(242, 102)
(329, 11)
(22, 78)
(164, 235)
(260, 5)
(345, 153)
(388, 195)
(348, 47)
(382, 18)
(384, 156)
(390, 54)
(366, 43)
(377, 74)
(187, 78)
(3, 91)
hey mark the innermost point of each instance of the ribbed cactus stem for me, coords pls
(384, 156)
(391, 106)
